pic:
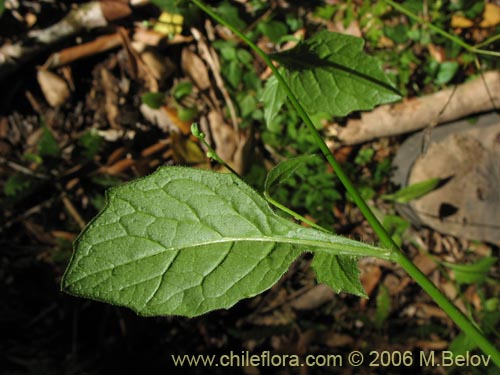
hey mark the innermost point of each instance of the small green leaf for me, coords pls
(187, 114)
(230, 13)
(171, 6)
(273, 30)
(284, 170)
(273, 97)
(364, 156)
(413, 191)
(153, 99)
(2, 7)
(234, 72)
(47, 146)
(396, 227)
(446, 72)
(186, 241)
(182, 89)
(17, 184)
(461, 344)
(330, 73)
(472, 273)
(383, 306)
(91, 143)
(339, 273)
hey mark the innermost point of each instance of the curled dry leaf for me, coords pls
(54, 88)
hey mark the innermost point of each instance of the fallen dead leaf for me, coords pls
(460, 22)
(161, 68)
(166, 118)
(425, 263)
(195, 69)
(337, 340)
(370, 277)
(491, 15)
(54, 88)
(313, 298)
(223, 136)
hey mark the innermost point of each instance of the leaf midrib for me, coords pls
(362, 250)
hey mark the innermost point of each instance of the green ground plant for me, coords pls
(184, 241)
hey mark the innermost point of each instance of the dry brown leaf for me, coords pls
(393, 284)
(337, 340)
(491, 15)
(244, 155)
(313, 298)
(161, 68)
(138, 69)
(460, 22)
(223, 136)
(427, 311)
(370, 277)
(195, 69)
(166, 118)
(152, 38)
(54, 88)
(437, 52)
(425, 263)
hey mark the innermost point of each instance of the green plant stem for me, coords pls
(492, 39)
(211, 152)
(292, 213)
(447, 35)
(397, 255)
(470, 329)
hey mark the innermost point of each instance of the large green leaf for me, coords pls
(330, 73)
(186, 241)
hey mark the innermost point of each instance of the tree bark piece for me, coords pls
(480, 95)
